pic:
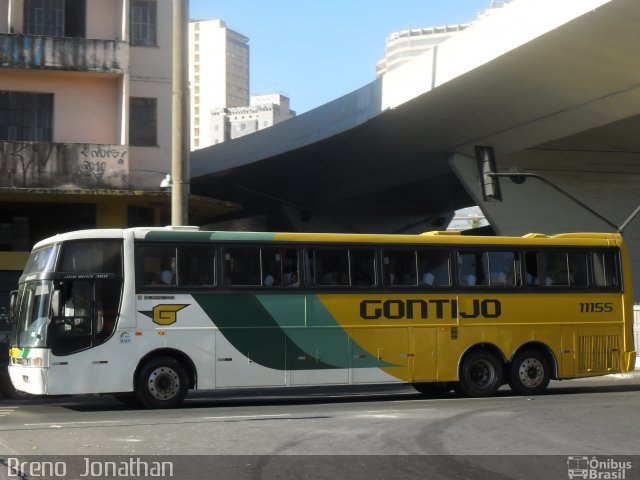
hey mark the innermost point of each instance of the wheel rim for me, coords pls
(164, 383)
(531, 372)
(482, 374)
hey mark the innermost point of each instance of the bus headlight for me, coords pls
(36, 361)
(28, 362)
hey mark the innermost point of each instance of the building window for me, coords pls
(44, 17)
(144, 17)
(26, 117)
(55, 18)
(143, 120)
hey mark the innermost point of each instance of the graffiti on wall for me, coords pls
(97, 158)
(49, 165)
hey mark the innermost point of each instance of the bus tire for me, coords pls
(433, 389)
(529, 372)
(481, 374)
(162, 383)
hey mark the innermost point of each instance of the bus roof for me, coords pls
(194, 234)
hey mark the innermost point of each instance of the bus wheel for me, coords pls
(481, 374)
(433, 389)
(162, 383)
(529, 373)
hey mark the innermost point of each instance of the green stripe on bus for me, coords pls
(271, 331)
(205, 236)
(249, 327)
(246, 236)
(320, 335)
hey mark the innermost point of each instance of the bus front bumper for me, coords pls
(28, 372)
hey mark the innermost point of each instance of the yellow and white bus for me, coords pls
(150, 313)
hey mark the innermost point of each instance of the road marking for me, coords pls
(67, 424)
(6, 411)
(379, 415)
(240, 417)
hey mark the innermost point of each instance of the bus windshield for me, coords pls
(30, 327)
(42, 260)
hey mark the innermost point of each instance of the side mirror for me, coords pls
(13, 305)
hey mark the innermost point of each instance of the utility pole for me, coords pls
(180, 123)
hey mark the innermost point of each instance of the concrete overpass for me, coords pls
(552, 85)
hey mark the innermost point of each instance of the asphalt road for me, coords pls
(355, 432)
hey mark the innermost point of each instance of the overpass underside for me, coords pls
(563, 101)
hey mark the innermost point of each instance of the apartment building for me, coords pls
(85, 119)
(400, 47)
(218, 75)
(264, 111)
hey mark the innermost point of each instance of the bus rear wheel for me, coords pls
(529, 373)
(481, 374)
(162, 383)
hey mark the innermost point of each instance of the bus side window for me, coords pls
(309, 267)
(271, 267)
(578, 269)
(279, 267)
(554, 269)
(605, 269)
(290, 268)
(242, 266)
(400, 268)
(362, 267)
(157, 265)
(473, 269)
(331, 267)
(531, 269)
(196, 266)
(563, 269)
(433, 268)
(503, 270)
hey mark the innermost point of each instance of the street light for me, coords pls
(166, 182)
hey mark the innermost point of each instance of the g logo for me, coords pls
(165, 314)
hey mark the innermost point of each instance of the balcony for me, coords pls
(63, 53)
(63, 165)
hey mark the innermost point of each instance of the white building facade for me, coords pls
(218, 76)
(400, 47)
(263, 112)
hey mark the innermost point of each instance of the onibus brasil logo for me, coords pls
(597, 469)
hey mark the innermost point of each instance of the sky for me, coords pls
(315, 51)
